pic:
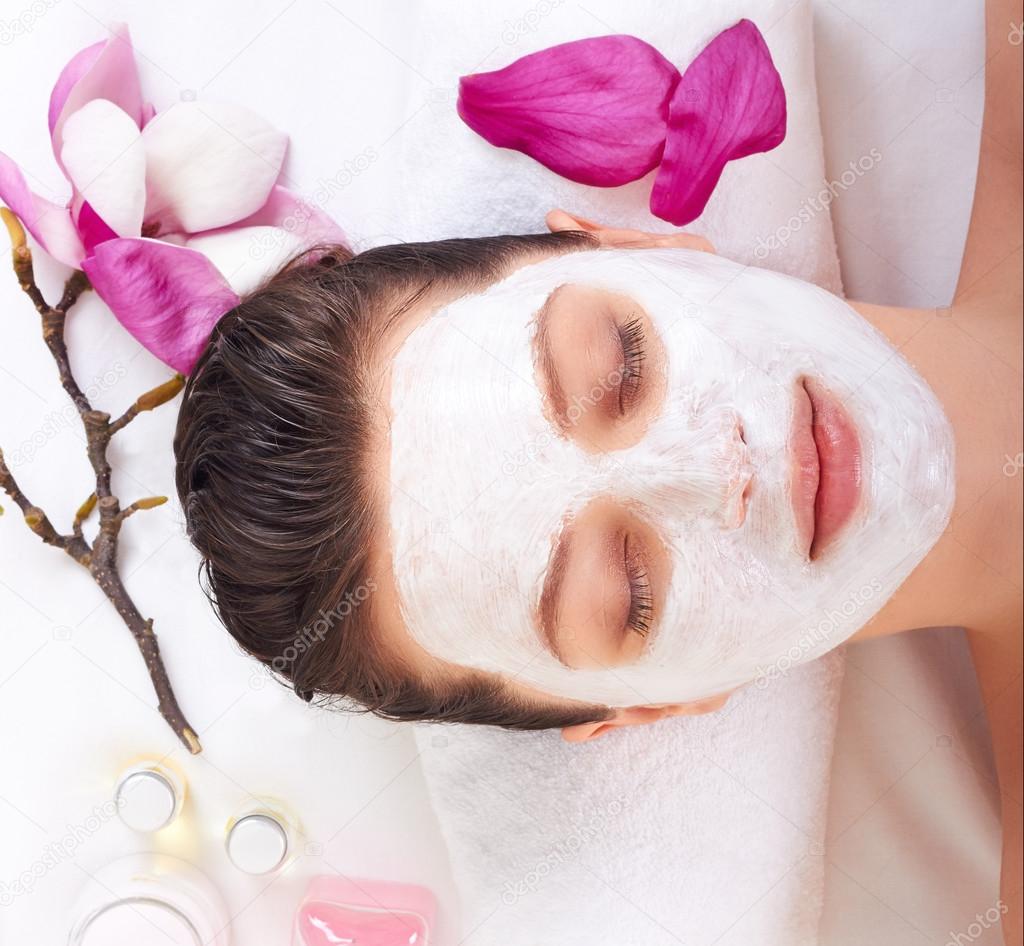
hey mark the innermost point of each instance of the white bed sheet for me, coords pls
(913, 837)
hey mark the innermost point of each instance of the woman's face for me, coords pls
(653, 475)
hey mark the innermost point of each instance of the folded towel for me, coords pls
(695, 830)
(769, 209)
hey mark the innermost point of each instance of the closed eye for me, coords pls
(641, 602)
(604, 587)
(631, 337)
(600, 367)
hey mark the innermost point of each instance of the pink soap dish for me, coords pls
(361, 912)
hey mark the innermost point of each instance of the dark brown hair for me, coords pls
(271, 447)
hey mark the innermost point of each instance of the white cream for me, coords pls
(482, 483)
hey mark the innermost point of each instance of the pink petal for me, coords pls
(92, 228)
(208, 165)
(77, 67)
(104, 71)
(304, 220)
(169, 297)
(729, 103)
(594, 110)
(50, 224)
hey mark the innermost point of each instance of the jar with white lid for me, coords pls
(149, 796)
(260, 838)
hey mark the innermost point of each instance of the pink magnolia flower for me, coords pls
(607, 110)
(173, 215)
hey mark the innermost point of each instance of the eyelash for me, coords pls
(641, 604)
(631, 336)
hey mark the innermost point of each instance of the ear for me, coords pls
(638, 715)
(630, 716)
(623, 238)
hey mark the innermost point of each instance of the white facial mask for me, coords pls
(482, 484)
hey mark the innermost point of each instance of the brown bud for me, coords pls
(161, 394)
(85, 510)
(14, 229)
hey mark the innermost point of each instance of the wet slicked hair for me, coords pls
(272, 448)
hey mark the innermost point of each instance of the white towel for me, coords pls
(695, 830)
(453, 183)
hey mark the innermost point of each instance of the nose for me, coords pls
(697, 467)
(740, 477)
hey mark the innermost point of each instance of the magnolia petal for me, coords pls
(246, 256)
(50, 224)
(92, 228)
(103, 71)
(594, 110)
(208, 165)
(730, 103)
(78, 65)
(289, 211)
(169, 297)
(105, 160)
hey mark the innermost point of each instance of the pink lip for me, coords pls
(826, 474)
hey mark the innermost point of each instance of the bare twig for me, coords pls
(99, 557)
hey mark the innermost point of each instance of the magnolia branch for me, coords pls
(99, 557)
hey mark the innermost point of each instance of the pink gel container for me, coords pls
(364, 913)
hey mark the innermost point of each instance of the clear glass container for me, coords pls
(149, 898)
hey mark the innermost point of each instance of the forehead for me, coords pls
(437, 298)
(386, 600)
(399, 330)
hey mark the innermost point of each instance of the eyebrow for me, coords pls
(551, 593)
(551, 387)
